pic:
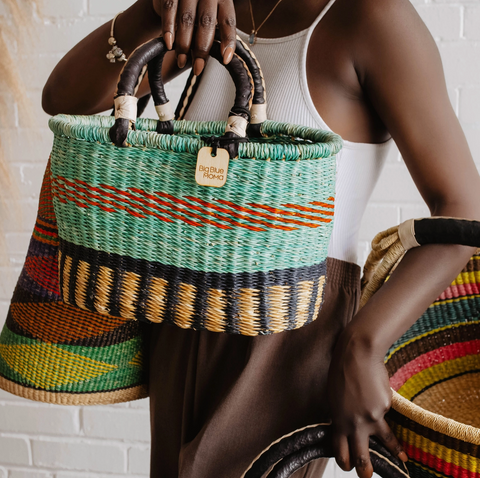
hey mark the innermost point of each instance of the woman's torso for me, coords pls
(290, 98)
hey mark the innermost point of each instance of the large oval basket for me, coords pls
(140, 239)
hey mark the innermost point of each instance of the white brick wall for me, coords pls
(44, 441)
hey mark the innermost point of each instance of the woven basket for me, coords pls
(434, 367)
(140, 239)
(53, 352)
(434, 371)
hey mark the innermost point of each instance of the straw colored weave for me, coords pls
(140, 239)
(54, 352)
(434, 372)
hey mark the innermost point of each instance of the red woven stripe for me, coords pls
(460, 290)
(435, 357)
(310, 209)
(266, 216)
(438, 464)
(44, 271)
(289, 213)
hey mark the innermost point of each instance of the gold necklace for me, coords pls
(253, 36)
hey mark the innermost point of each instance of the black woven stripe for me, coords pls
(396, 418)
(188, 276)
(468, 331)
(447, 231)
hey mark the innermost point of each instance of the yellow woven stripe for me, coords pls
(448, 455)
(431, 375)
(248, 302)
(186, 297)
(321, 283)
(305, 290)
(53, 366)
(278, 298)
(83, 273)
(472, 277)
(216, 319)
(418, 337)
(457, 299)
(104, 287)
(128, 294)
(157, 299)
(66, 278)
(137, 361)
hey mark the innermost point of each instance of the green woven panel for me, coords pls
(66, 368)
(101, 192)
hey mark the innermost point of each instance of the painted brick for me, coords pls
(27, 144)
(28, 177)
(472, 23)
(469, 110)
(29, 474)
(75, 474)
(395, 185)
(14, 451)
(120, 424)
(35, 419)
(139, 460)
(414, 212)
(19, 216)
(443, 21)
(143, 404)
(76, 455)
(460, 61)
(473, 138)
(62, 9)
(108, 7)
(17, 242)
(9, 279)
(377, 218)
(36, 68)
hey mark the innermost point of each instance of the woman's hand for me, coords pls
(190, 24)
(360, 395)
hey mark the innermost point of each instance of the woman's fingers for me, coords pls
(227, 24)
(360, 455)
(341, 453)
(186, 15)
(205, 33)
(169, 10)
(390, 441)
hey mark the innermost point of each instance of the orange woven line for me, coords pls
(213, 214)
(45, 233)
(288, 213)
(131, 196)
(265, 215)
(78, 203)
(53, 242)
(309, 209)
(100, 198)
(322, 204)
(42, 222)
(240, 216)
(59, 189)
(183, 211)
(331, 198)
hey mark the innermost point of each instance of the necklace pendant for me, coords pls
(252, 38)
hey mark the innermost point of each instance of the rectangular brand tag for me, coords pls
(212, 170)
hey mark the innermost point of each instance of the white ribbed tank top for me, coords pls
(283, 61)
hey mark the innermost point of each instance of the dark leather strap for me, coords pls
(433, 230)
(298, 449)
(152, 53)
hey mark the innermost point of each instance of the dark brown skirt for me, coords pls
(218, 400)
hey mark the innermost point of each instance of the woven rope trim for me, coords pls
(435, 422)
(103, 398)
(317, 143)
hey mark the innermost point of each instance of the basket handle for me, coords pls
(388, 247)
(150, 56)
(297, 449)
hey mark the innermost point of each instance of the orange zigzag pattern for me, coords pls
(190, 209)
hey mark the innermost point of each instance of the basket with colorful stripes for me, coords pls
(434, 371)
(141, 239)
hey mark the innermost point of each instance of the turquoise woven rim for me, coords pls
(280, 141)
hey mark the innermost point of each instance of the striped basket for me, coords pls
(140, 239)
(434, 367)
(54, 352)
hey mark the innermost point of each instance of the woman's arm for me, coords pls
(400, 70)
(84, 81)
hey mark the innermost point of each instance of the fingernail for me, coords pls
(168, 37)
(227, 55)
(182, 60)
(403, 456)
(198, 66)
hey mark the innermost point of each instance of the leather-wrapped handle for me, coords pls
(152, 53)
(444, 230)
(303, 446)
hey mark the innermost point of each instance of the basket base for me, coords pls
(102, 398)
(457, 398)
